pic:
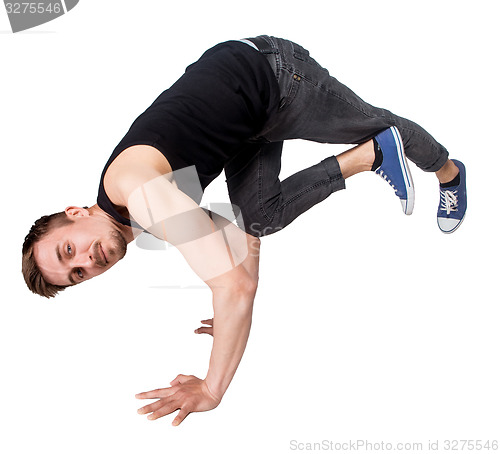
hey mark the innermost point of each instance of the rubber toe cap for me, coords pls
(448, 225)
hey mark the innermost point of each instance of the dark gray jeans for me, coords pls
(314, 106)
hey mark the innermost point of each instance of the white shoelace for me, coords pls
(382, 175)
(449, 201)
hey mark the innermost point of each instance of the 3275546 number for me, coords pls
(470, 445)
(33, 8)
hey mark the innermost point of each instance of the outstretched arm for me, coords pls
(226, 258)
(251, 265)
(232, 320)
(231, 327)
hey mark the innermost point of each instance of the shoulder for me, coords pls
(132, 168)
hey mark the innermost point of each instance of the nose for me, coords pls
(83, 260)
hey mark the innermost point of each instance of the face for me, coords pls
(75, 252)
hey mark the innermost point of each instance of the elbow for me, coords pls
(249, 288)
(243, 290)
(239, 292)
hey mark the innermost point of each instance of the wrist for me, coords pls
(216, 392)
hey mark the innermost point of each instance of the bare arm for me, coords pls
(226, 258)
(231, 328)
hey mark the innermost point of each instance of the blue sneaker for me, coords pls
(453, 203)
(394, 168)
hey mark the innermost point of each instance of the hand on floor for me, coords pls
(187, 394)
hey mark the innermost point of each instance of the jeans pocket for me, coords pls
(289, 89)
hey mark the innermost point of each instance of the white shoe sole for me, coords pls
(408, 203)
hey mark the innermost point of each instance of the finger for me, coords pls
(204, 330)
(180, 417)
(151, 407)
(210, 322)
(156, 394)
(166, 409)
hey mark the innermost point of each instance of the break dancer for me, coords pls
(231, 110)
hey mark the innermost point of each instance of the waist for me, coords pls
(268, 47)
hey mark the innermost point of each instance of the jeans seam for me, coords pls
(293, 89)
(278, 59)
(336, 95)
(260, 192)
(277, 54)
(303, 192)
(427, 168)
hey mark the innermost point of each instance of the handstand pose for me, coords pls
(231, 110)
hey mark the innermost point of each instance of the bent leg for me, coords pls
(268, 204)
(316, 106)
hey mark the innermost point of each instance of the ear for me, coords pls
(76, 211)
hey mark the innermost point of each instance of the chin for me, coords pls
(119, 247)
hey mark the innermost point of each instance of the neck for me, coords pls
(128, 233)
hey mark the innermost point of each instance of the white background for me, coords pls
(368, 324)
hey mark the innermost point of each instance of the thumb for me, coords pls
(178, 380)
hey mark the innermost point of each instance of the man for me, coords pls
(231, 110)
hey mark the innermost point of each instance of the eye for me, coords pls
(69, 249)
(79, 273)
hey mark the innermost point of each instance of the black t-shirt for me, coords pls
(221, 102)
